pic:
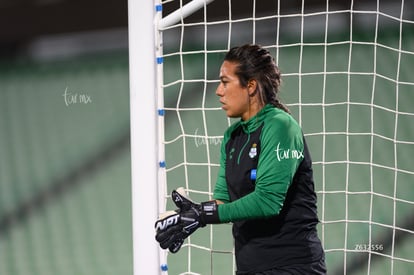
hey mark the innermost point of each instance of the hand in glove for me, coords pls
(173, 227)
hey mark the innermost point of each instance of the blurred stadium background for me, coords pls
(65, 199)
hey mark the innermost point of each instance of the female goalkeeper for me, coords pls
(265, 183)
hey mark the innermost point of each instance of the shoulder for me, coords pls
(282, 134)
(281, 123)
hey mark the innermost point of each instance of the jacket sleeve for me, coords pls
(281, 153)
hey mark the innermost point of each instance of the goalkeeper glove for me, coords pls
(167, 229)
(173, 227)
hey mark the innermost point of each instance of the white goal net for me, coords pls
(347, 78)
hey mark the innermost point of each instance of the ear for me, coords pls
(252, 87)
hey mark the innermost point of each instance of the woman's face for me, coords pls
(233, 97)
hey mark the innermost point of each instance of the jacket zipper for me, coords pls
(242, 149)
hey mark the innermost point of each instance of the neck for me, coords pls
(254, 108)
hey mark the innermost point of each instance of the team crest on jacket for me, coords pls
(253, 151)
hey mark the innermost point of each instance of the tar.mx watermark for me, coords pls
(202, 140)
(76, 98)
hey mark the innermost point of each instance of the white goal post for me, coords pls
(147, 126)
(143, 142)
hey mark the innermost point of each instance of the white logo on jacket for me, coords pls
(288, 153)
(253, 151)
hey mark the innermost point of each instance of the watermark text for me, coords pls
(76, 98)
(202, 140)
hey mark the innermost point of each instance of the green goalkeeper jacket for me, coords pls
(265, 181)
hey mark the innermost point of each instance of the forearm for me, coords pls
(258, 204)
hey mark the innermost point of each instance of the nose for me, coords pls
(219, 90)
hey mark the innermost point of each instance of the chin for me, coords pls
(231, 115)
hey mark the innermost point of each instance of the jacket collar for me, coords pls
(255, 121)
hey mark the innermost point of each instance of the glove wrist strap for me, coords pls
(209, 210)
